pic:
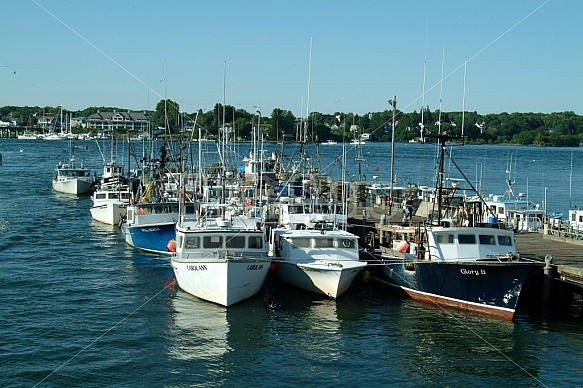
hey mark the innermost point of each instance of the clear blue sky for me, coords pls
(522, 56)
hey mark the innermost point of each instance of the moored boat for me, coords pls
(470, 268)
(465, 264)
(27, 136)
(112, 196)
(149, 226)
(323, 261)
(69, 179)
(73, 180)
(220, 255)
(329, 142)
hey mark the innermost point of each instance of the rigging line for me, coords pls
(482, 50)
(98, 49)
(458, 320)
(106, 332)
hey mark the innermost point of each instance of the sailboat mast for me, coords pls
(441, 88)
(224, 135)
(422, 123)
(464, 99)
(393, 103)
(308, 99)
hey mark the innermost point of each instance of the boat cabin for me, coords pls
(308, 244)
(576, 219)
(516, 213)
(224, 243)
(309, 212)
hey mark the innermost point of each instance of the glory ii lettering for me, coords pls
(476, 272)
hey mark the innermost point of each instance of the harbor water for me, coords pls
(82, 308)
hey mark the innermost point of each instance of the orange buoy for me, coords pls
(171, 246)
(403, 246)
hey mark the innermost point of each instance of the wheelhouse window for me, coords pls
(255, 242)
(466, 238)
(505, 240)
(192, 242)
(235, 242)
(324, 242)
(301, 243)
(213, 241)
(295, 210)
(486, 239)
(444, 238)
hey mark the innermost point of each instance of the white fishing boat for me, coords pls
(514, 212)
(575, 221)
(69, 179)
(111, 198)
(323, 261)
(220, 254)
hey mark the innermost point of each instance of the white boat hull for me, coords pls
(109, 213)
(221, 281)
(72, 186)
(327, 277)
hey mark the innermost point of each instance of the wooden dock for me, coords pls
(567, 253)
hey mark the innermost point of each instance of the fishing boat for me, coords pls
(323, 260)
(515, 212)
(149, 226)
(220, 254)
(452, 262)
(69, 179)
(151, 217)
(112, 196)
(575, 221)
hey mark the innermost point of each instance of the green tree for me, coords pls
(166, 115)
(282, 123)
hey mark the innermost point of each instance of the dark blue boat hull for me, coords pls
(152, 238)
(483, 286)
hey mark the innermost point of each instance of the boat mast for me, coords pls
(422, 123)
(464, 99)
(393, 103)
(441, 89)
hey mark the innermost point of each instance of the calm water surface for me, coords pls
(81, 308)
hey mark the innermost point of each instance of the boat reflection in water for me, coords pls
(200, 330)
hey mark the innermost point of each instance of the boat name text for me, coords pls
(476, 272)
(200, 267)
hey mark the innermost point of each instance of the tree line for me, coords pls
(540, 129)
